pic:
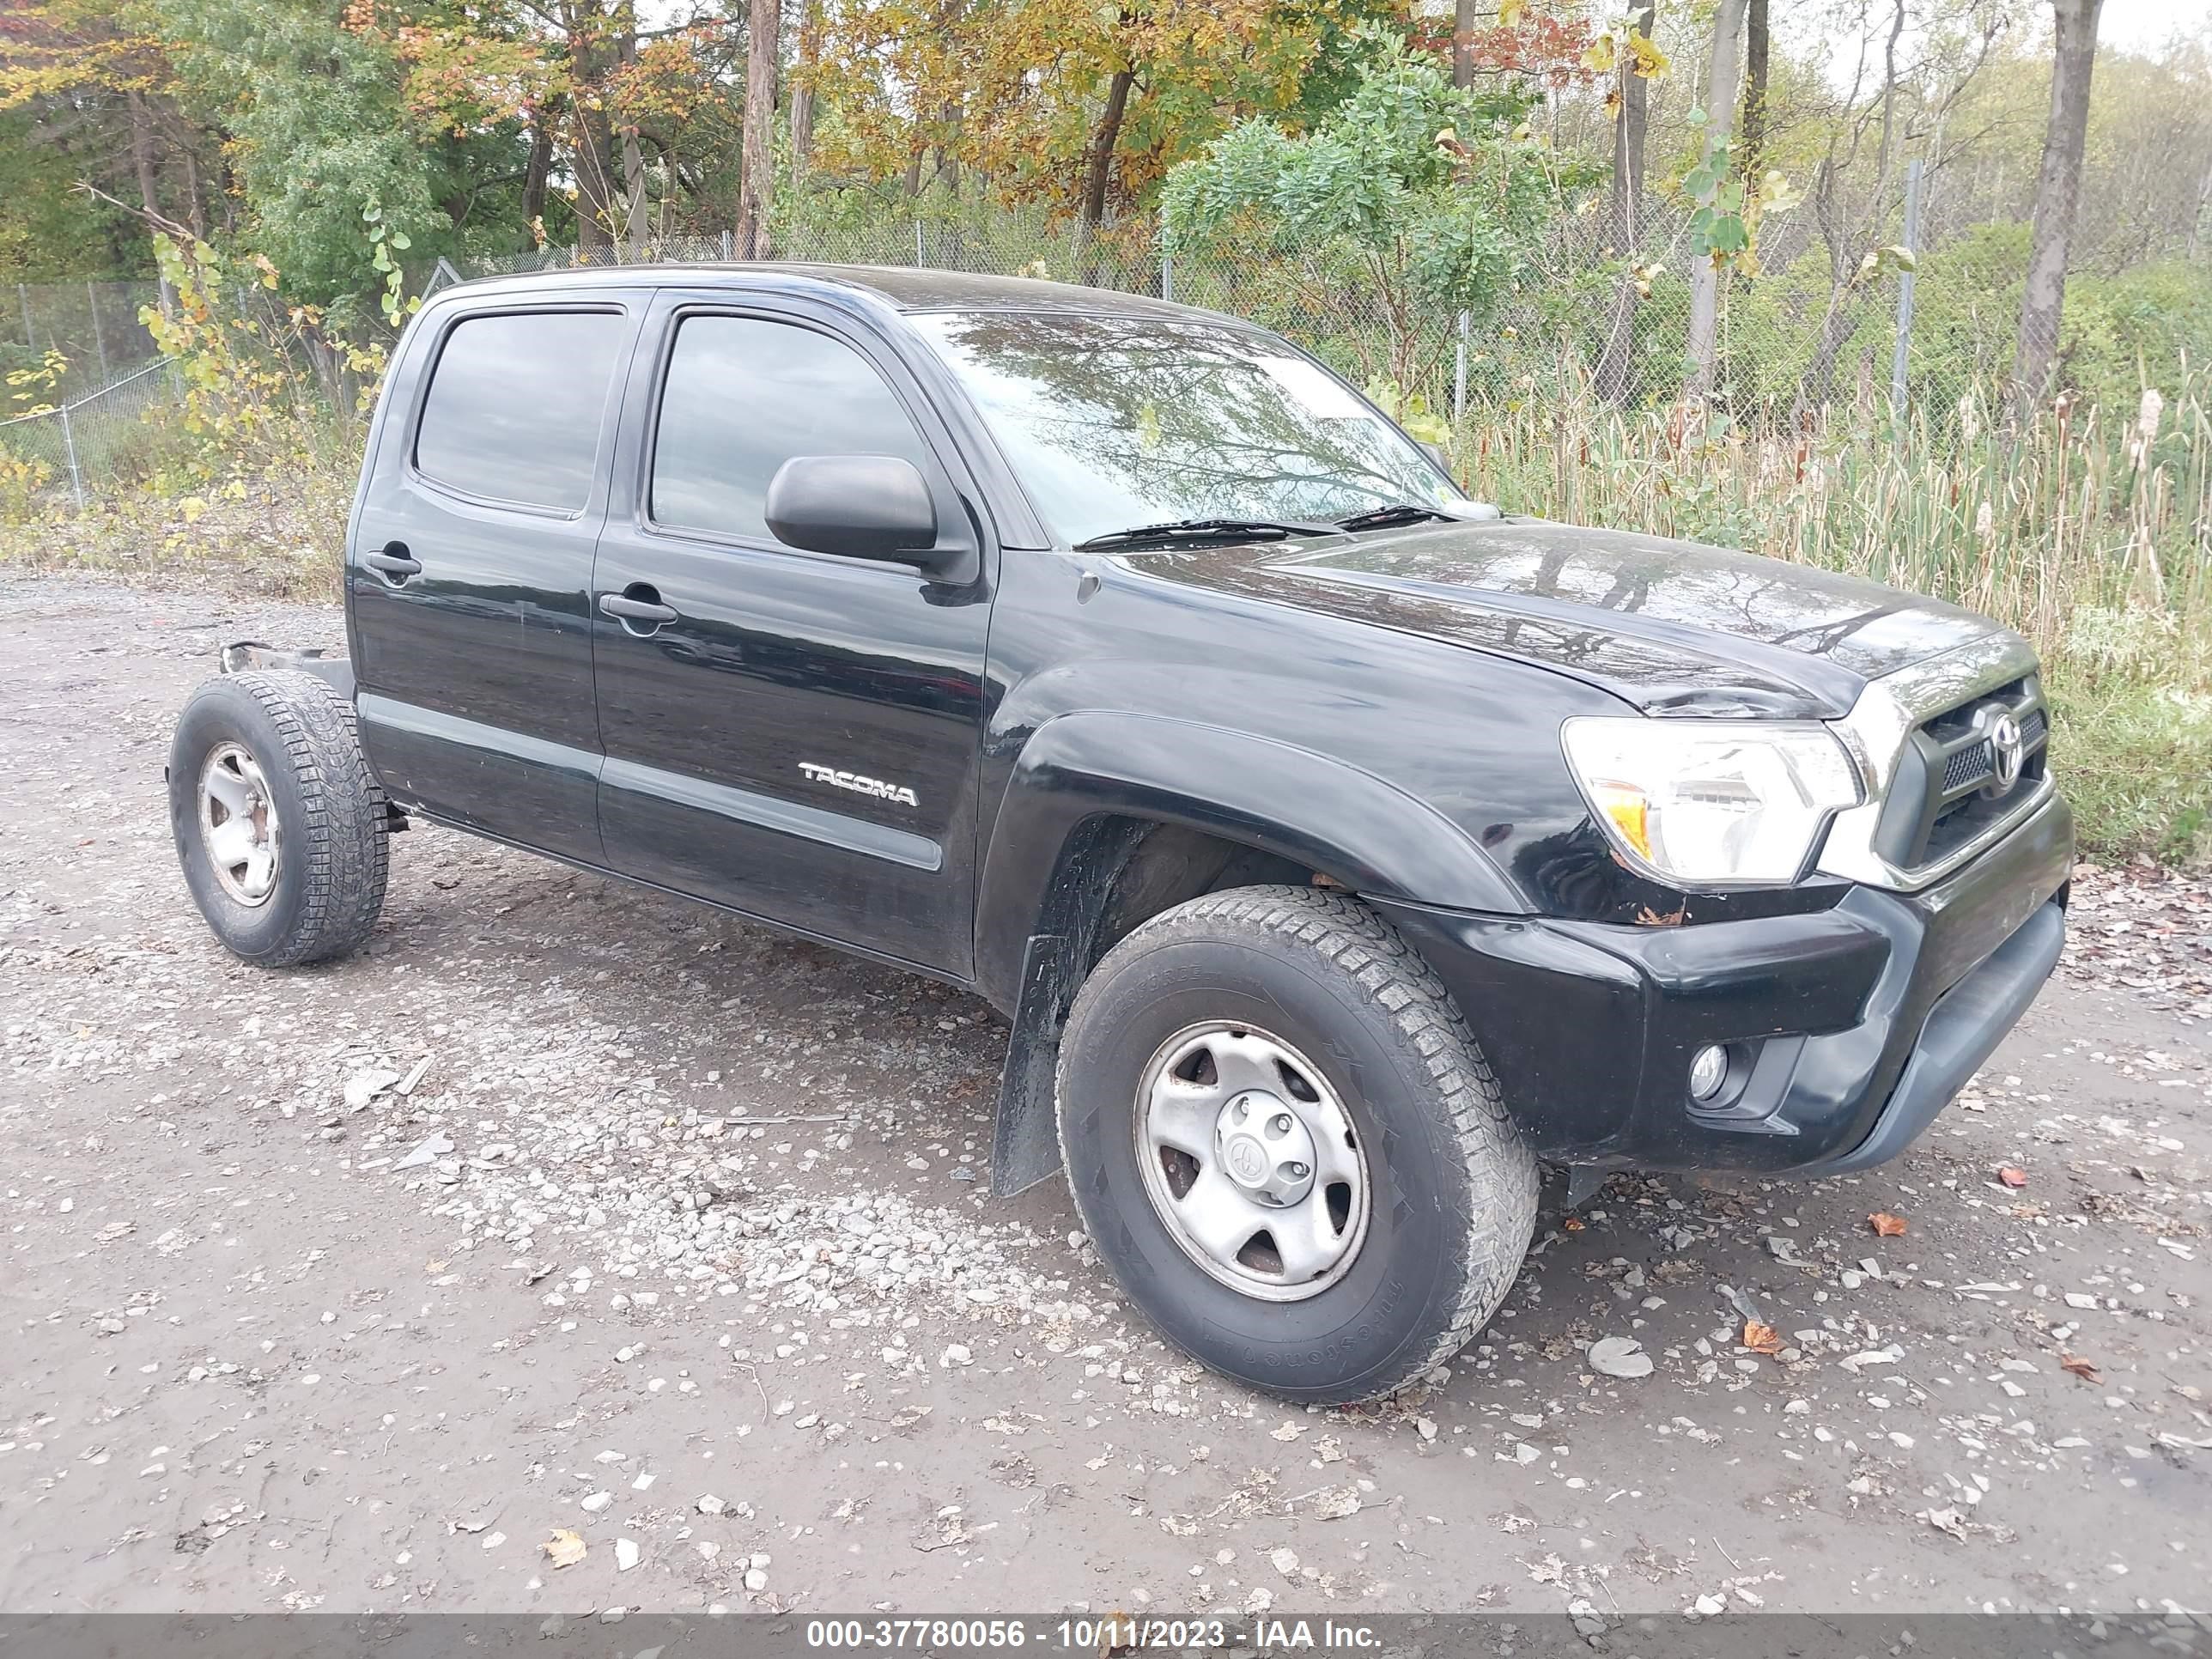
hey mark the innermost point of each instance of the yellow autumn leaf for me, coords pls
(1509, 12)
(1600, 58)
(1645, 58)
(564, 1548)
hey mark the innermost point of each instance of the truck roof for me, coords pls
(904, 288)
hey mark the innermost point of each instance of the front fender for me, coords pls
(1316, 811)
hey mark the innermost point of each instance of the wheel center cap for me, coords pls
(1266, 1148)
(1246, 1159)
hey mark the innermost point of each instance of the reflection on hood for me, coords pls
(1671, 626)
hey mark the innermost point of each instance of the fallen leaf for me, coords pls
(2084, 1369)
(1572, 1225)
(2013, 1177)
(564, 1548)
(1761, 1339)
(1886, 1225)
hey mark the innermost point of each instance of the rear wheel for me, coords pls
(279, 826)
(1285, 1144)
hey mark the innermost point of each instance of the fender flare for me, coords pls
(1061, 839)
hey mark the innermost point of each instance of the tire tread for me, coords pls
(1501, 1175)
(343, 841)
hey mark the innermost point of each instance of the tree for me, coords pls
(1437, 195)
(802, 90)
(1078, 103)
(1852, 199)
(96, 84)
(1705, 273)
(1756, 41)
(2057, 194)
(757, 190)
(1630, 102)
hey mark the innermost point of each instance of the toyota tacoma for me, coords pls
(1336, 846)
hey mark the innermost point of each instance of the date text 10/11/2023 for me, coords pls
(1105, 1633)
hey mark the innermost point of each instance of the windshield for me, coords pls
(1114, 421)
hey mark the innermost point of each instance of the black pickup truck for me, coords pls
(1336, 847)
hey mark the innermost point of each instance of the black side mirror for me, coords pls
(858, 506)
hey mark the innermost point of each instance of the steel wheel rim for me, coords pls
(1222, 1167)
(239, 828)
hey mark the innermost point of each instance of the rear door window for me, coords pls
(515, 406)
(742, 396)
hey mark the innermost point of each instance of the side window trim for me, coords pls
(943, 480)
(609, 412)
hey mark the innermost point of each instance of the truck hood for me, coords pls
(1673, 627)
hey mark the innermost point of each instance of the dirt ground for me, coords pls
(566, 1209)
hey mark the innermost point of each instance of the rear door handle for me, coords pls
(393, 561)
(638, 602)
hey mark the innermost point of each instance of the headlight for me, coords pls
(1707, 803)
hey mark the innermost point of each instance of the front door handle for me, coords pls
(393, 562)
(639, 603)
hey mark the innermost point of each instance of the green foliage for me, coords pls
(51, 231)
(2142, 327)
(385, 245)
(318, 131)
(2136, 759)
(1411, 411)
(2147, 326)
(1431, 185)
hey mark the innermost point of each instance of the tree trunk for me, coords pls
(802, 92)
(1754, 89)
(2058, 192)
(1463, 15)
(195, 202)
(1631, 122)
(536, 173)
(1704, 280)
(757, 186)
(633, 222)
(1100, 170)
(142, 162)
(595, 196)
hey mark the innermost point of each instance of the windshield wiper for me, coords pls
(1209, 530)
(1397, 513)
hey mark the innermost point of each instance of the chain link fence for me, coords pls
(93, 326)
(1831, 328)
(87, 443)
(1835, 322)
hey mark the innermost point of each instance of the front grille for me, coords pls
(1946, 791)
(1969, 765)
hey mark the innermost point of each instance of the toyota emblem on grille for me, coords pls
(2005, 751)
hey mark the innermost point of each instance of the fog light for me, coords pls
(1708, 1071)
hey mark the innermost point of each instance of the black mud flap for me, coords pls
(1025, 1140)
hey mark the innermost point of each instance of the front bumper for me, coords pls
(1849, 1028)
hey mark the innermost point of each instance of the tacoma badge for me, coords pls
(898, 793)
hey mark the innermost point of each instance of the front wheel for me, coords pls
(279, 826)
(1287, 1146)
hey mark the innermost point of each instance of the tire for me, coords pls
(1317, 986)
(282, 747)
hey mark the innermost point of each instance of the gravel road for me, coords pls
(568, 1210)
